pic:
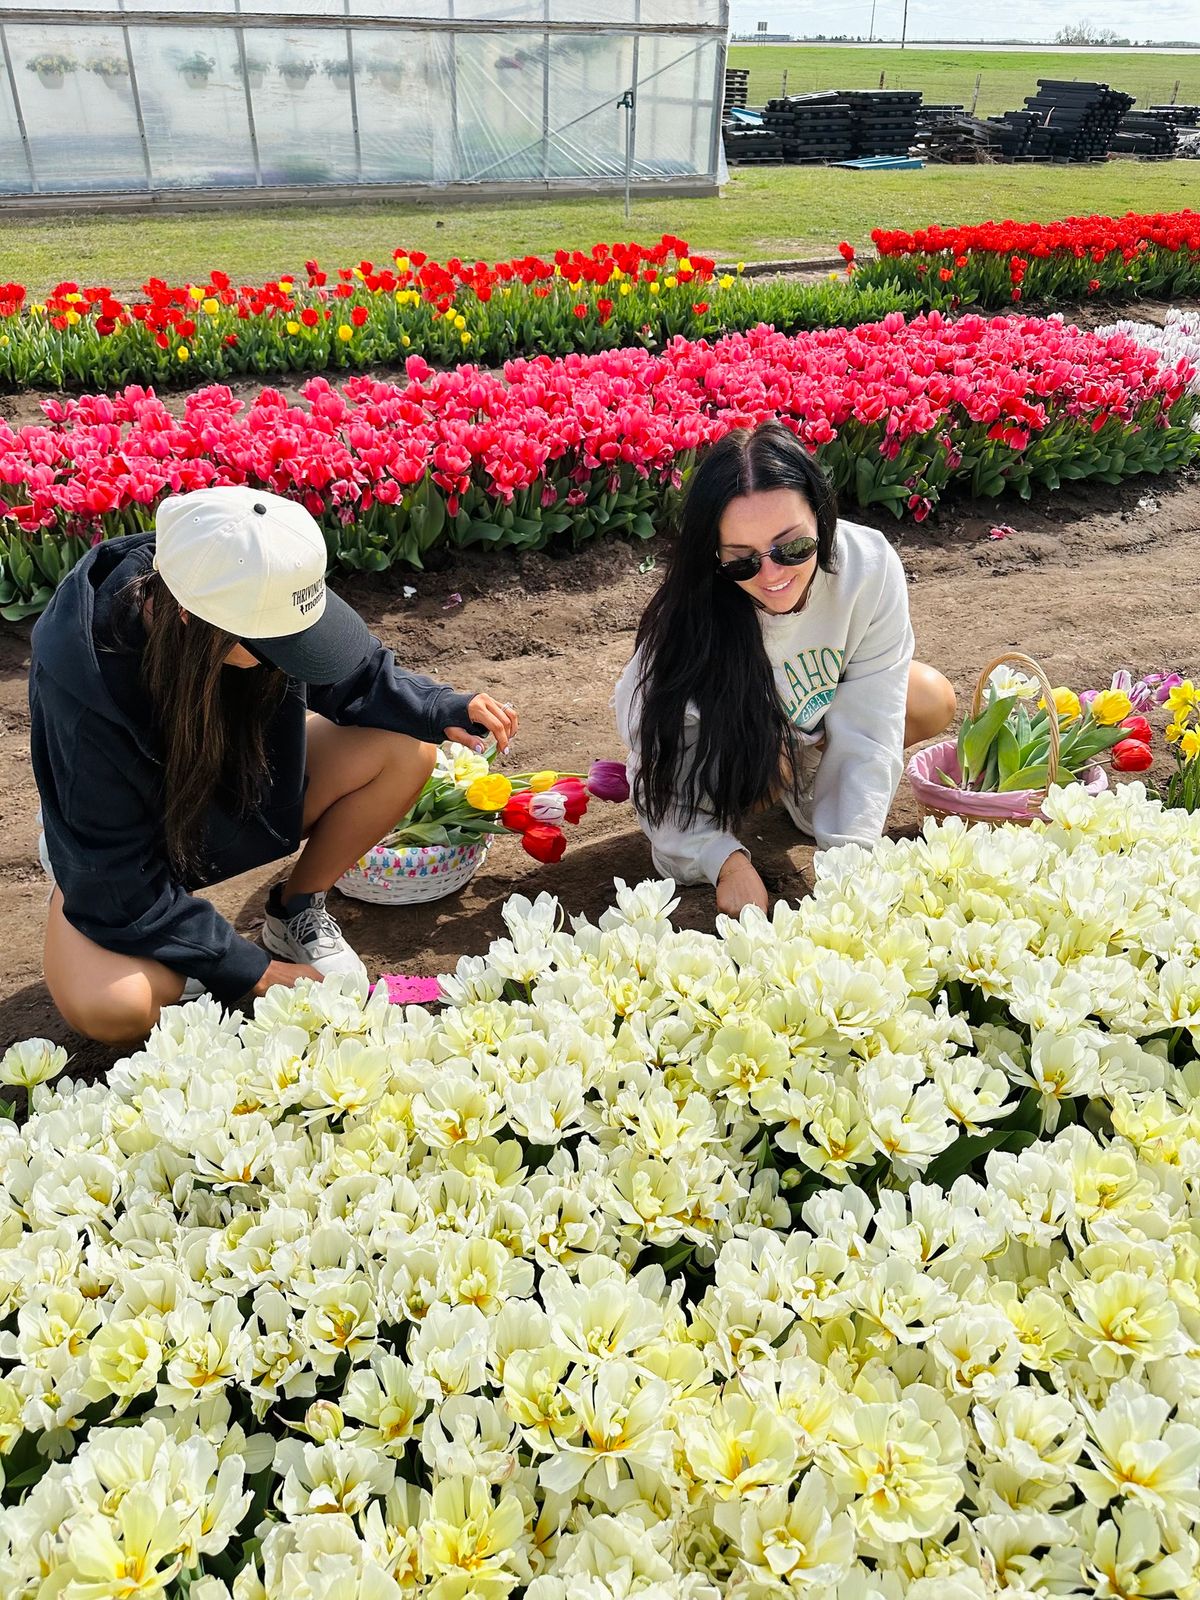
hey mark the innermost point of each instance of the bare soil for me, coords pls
(1091, 579)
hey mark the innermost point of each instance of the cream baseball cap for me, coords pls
(253, 564)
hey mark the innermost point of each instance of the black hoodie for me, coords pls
(98, 764)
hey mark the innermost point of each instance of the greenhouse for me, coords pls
(109, 101)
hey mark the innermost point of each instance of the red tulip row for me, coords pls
(611, 296)
(1074, 259)
(899, 412)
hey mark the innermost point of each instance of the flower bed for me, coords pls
(899, 412)
(614, 295)
(851, 1253)
(1116, 258)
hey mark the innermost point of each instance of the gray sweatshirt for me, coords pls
(841, 667)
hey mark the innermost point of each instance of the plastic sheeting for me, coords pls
(129, 105)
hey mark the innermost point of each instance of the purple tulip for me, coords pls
(1171, 681)
(608, 780)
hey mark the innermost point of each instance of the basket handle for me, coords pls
(1029, 666)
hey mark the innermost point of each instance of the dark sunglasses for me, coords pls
(791, 553)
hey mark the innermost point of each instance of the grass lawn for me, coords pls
(764, 212)
(948, 76)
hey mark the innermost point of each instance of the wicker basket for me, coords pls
(1022, 806)
(412, 876)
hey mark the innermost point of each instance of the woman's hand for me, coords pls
(500, 721)
(738, 885)
(287, 973)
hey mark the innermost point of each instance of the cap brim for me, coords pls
(333, 648)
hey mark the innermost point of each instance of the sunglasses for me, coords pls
(791, 553)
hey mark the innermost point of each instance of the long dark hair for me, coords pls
(700, 641)
(212, 721)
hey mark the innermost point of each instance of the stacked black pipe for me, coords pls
(1181, 116)
(1066, 120)
(1143, 133)
(883, 121)
(752, 147)
(812, 127)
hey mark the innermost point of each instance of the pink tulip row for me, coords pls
(898, 410)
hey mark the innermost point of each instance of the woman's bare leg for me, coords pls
(361, 781)
(111, 998)
(931, 704)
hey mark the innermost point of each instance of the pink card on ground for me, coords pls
(408, 991)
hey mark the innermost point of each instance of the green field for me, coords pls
(764, 213)
(948, 76)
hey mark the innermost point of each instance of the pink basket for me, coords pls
(937, 799)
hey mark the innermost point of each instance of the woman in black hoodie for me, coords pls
(163, 768)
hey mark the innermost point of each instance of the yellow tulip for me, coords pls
(402, 264)
(725, 282)
(460, 322)
(684, 264)
(672, 281)
(72, 317)
(489, 794)
(194, 292)
(626, 288)
(542, 781)
(1066, 703)
(72, 298)
(293, 327)
(1110, 707)
(465, 338)
(211, 306)
(4, 341)
(741, 266)
(654, 288)
(345, 334)
(405, 340)
(183, 353)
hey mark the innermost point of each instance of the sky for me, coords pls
(972, 19)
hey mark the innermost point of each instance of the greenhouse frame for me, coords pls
(127, 104)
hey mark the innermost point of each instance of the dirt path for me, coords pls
(1091, 580)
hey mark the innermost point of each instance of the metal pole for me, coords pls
(631, 120)
(353, 96)
(904, 26)
(137, 102)
(546, 95)
(626, 102)
(455, 136)
(21, 128)
(240, 38)
(871, 37)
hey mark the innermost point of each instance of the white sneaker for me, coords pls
(310, 937)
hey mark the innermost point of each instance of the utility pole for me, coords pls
(904, 26)
(871, 35)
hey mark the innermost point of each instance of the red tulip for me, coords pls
(544, 842)
(1132, 755)
(1138, 728)
(575, 795)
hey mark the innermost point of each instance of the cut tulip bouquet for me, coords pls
(465, 801)
(1006, 747)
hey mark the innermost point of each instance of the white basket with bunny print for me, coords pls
(414, 874)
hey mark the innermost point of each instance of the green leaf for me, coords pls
(982, 733)
(1008, 753)
(1025, 778)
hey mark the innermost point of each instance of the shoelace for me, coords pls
(315, 928)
